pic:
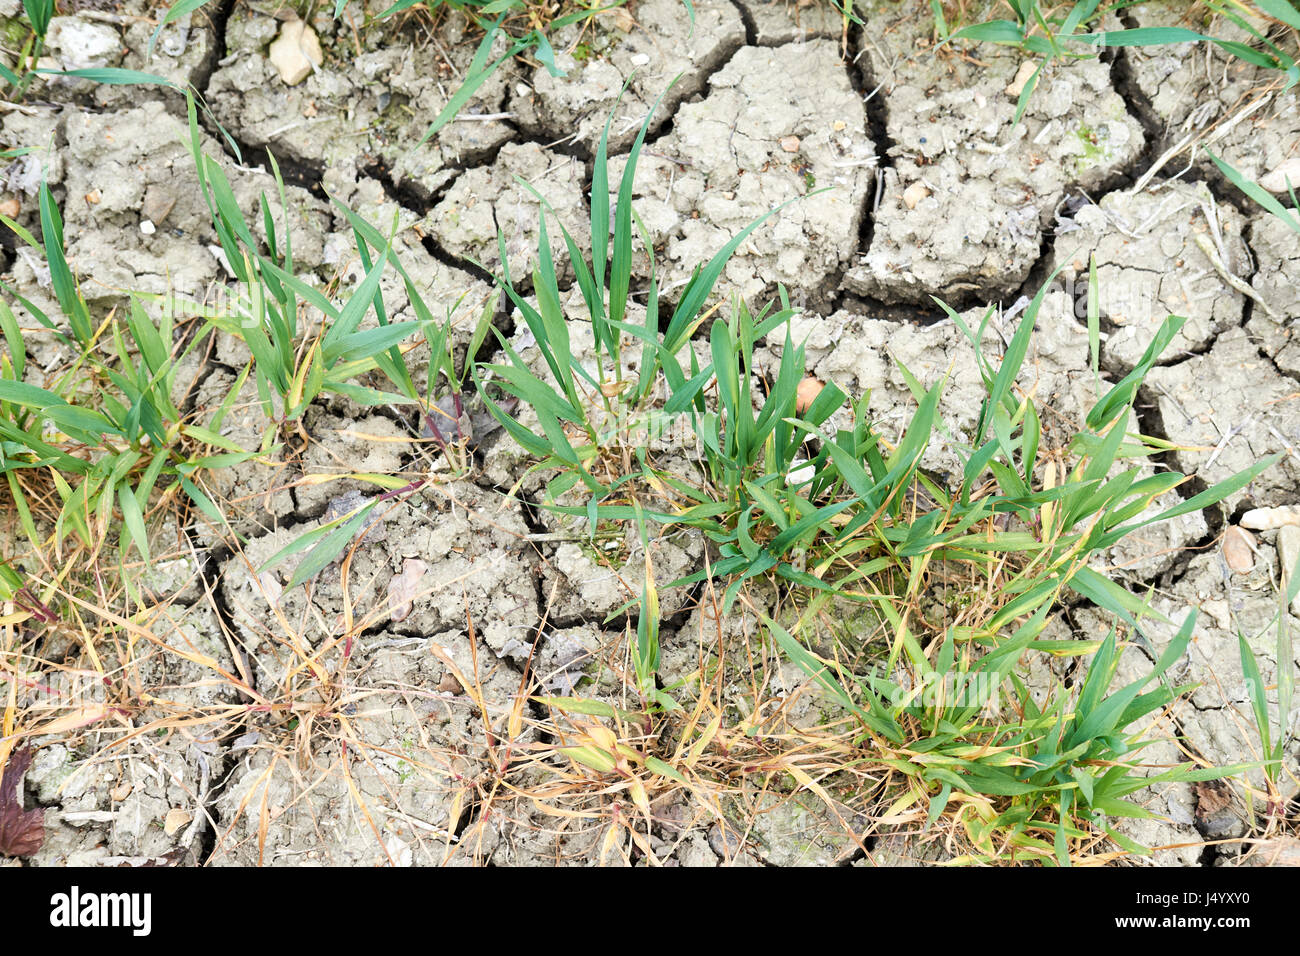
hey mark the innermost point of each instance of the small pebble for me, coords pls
(157, 205)
(10, 208)
(1239, 549)
(726, 841)
(1017, 86)
(176, 818)
(1276, 180)
(640, 59)
(295, 52)
(1267, 519)
(523, 89)
(913, 194)
(801, 471)
(93, 197)
(790, 144)
(807, 393)
(147, 227)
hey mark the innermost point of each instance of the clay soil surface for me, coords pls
(387, 712)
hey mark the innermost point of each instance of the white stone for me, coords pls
(1266, 519)
(1276, 181)
(1027, 70)
(914, 193)
(296, 52)
(78, 44)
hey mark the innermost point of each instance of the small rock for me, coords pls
(1288, 550)
(1239, 549)
(807, 393)
(1026, 71)
(78, 44)
(147, 227)
(523, 89)
(1276, 181)
(640, 59)
(1267, 519)
(157, 205)
(120, 792)
(789, 143)
(726, 841)
(10, 208)
(913, 194)
(176, 818)
(801, 470)
(296, 52)
(93, 197)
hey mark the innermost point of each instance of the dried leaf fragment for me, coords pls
(21, 831)
(403, 588)
(1212, 796)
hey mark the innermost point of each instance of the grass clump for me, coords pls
(809, 499)
(1074, 31)
(107, 431)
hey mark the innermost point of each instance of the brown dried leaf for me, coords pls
(21, 831)
(403, 588)
(449, 685)
(1212, 796)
